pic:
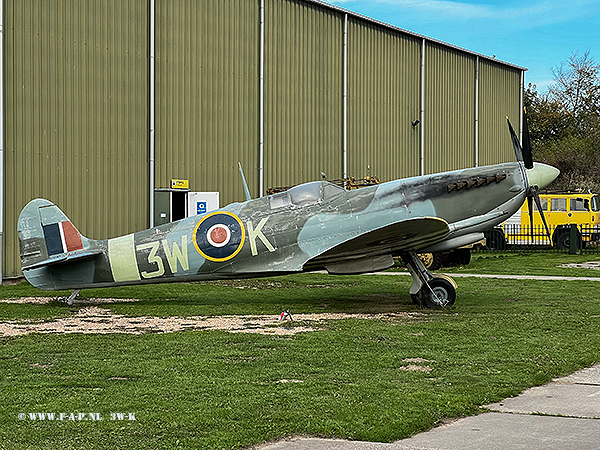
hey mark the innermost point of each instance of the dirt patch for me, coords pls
(594, 265)
(247, 284)
(79, 300)
(96, 320)
(414, 368)
(40, 366)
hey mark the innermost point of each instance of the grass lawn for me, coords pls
(351, 379)
(528, 263)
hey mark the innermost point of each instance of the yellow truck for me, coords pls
(561, 209)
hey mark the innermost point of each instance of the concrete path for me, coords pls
(508, 277)
(564, 414)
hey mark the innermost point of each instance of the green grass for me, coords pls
(528, 263)
(215, 390)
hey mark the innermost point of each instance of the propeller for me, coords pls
(524, 155)
(527, 153)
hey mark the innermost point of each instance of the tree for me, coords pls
(546, 118)
(577, 91)
(565, 123)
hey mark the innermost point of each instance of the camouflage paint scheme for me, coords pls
(312, 226)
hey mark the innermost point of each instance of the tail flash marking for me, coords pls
(62, 237)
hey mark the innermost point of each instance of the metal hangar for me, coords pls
(106, 103)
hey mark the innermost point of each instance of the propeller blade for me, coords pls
(530, 208)
(527, 155)
(515, 142)
(534, 192)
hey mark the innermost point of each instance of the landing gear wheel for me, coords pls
(426, 289)
(439, 294)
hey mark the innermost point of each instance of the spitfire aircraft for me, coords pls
(312, 226)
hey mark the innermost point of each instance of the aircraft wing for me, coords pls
(405, 235)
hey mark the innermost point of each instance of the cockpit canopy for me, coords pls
(305, 194)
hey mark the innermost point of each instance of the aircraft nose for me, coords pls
(542, 175)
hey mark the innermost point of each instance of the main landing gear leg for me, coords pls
(428, 290)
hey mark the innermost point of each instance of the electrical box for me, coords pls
(202, 203)
(162, 207)
(176, 204)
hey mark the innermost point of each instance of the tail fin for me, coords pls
(47, 236)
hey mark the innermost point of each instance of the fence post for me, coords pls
(573, 241)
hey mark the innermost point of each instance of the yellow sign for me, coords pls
(180, 184)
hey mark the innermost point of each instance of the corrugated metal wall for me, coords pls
(303, 92)
(76, 83)
(207, 55)
(383, 100)
(77, 103)
(449, 109)
(499, 87)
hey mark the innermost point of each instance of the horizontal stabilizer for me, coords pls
(65, 257)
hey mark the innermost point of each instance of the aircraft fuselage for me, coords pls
(308, 227)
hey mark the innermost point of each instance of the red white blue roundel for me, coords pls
(219, 236)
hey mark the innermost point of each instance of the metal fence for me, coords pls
(567, 238)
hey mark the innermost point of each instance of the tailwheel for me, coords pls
(437, 293)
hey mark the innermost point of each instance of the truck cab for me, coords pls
(561, 209)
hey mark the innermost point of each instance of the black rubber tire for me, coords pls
(443, 289)
(415, 299)
(495, 239)
(459, 257)
(562, 240)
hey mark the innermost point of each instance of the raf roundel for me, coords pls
(219, 236)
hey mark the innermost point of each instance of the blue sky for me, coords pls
(536, 34)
